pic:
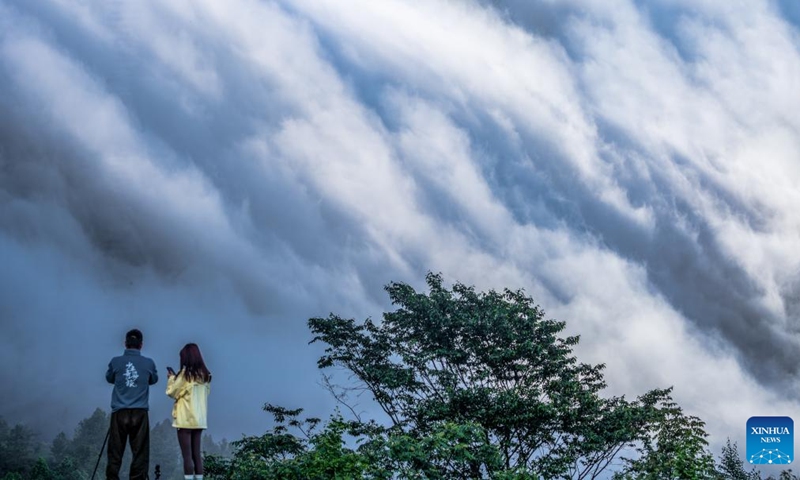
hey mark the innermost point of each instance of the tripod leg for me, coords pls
(101, 452)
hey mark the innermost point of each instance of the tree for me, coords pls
(491, 360)
(41, 471)
(731, 465)
(447, 450)
(67, 470)
(75, 459)
(280, 454)
(221, 449)
(675, 448)
(60, 448)
(18, 449)
(784, 475)
(88, 441)
(302, 450)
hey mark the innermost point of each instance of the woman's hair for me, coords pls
(192, 364)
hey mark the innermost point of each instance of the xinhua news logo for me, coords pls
(770, 440)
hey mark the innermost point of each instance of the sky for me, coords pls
(220, 172)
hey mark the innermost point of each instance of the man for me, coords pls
(132, 374)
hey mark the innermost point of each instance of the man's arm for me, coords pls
(110, 373)
(153, 374)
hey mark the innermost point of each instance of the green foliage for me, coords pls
(488, 359)
(448, 450)
(676, 448)
(279, 454)
(383, 453)
(75, 459)
(85, 446)
(327, 456)
(731, 466)
(784, 475)
(67, 470)
(18, 449)
(60, 448)
(41, 471)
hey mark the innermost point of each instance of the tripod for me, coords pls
(101, 452)
(100, 455)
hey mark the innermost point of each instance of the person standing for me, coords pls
(131, 374)
(190, 388)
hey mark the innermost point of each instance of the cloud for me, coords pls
(224, 172)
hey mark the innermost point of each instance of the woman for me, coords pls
(190, 388)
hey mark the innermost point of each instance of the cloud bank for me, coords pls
(221, 172)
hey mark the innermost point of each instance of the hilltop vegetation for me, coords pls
(24, 456)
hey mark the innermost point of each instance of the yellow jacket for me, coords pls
(191, 401)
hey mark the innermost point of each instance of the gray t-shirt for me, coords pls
(132, 374)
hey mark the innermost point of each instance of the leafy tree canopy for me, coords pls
(493, 360)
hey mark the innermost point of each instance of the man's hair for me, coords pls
(133, 339)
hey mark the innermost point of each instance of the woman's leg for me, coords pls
(197, 451)
(185, 442)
